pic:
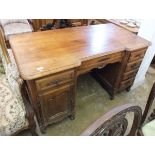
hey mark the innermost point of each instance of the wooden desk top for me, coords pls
(42, 53)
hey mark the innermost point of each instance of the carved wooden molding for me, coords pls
(115, 123)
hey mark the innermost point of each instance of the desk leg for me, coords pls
(72, 117)
(43, 130)
(111, 97)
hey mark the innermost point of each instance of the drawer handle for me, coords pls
(104, 59)
(55, 83)
(132, 74)
(139, 55)
(100, 67)
(129, 82)
(133, 66)
(51, 99)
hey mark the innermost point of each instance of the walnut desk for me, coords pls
(50, 62)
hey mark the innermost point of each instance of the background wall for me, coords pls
(147, 31)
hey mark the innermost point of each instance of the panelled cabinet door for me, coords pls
(56, 104)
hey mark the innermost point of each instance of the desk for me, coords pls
(51, 61)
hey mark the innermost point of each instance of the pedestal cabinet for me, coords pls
(120, 76)
(131, 68)
(54, 98)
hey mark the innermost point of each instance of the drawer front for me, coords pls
(130, 74)
(54, 80)
(133, 65)
(56, 104)
(126, 83)
(100, 62)
(137, 55)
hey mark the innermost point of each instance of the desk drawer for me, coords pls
(55, 80)
(133, 65)
(137, 55)
(101, 61)
(126, 83)
(130, 74)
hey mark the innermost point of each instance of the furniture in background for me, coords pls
(48, 24)
(115, 122)
(53, 64)
(78, 22)
(14, 26)
(16, 113)
(64, 23)
(119, 22)
(39, 24)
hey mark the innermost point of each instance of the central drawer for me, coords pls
(55, 80)
(100, 62)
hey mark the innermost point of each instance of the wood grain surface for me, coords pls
(42, 53)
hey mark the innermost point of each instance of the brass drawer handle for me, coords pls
(104, 59)
(134, 65)
(54, 83)
(139, 55)
(128, 82)
(101, 66)
(51, 99)
(132, 74)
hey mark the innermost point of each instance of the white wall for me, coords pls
(147, 31)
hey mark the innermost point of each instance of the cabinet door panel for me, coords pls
(56, 103)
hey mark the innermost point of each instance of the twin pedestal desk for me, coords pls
(50, 61)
